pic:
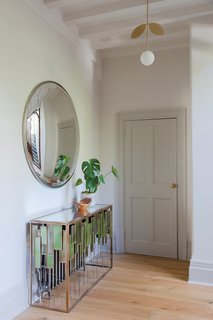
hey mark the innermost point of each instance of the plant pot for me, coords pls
(91, 196)
(82, 206)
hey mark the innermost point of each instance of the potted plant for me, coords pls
(93, 177)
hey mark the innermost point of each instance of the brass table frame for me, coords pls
(102, 235)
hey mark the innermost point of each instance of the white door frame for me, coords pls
(174, 113)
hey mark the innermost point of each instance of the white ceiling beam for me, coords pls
(137, 50)
(67, 4)
(100, 45)
(172, 16)
(54, 4)
(105, 11)
(127, 8)
(125, 31)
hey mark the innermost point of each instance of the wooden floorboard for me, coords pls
(139, 288)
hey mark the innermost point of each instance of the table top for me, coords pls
(70, 215)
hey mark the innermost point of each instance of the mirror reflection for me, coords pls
(51, 134)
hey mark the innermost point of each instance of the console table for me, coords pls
(70, 253)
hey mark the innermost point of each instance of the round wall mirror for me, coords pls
(50, 134)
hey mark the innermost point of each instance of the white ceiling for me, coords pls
(107, 24)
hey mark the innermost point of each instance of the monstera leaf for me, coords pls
(78, 182)
(64, 173)
(62, 169)
(92, 184)
(91, 168)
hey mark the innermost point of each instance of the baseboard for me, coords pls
(13, 301)
(201, 272)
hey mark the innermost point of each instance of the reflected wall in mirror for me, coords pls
(50, 134)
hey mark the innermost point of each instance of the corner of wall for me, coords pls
(201, 272)
(13, 301)
(189, 250)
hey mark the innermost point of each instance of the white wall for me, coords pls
(129, 86)
(201, 267)
(31, 52)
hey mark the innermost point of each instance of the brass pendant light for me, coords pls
(147, 57)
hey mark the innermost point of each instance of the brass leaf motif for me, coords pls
(138, 31)
(156, 29)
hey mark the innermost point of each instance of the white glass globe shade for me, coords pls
(147, 58)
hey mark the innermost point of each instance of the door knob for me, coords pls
(173, 185)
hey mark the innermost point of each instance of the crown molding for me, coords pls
(55, 21)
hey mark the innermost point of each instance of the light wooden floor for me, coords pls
(139, 288)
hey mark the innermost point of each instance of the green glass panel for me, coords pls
(34, 232)
(57, 230)
(73, 232)
(64, 240)
(44, 235)
(99, 228)
(82, 232)
(89, 230)
(72, 252)
(91, 247)
(50, 240)
(99, 224)
(95, 223)
(81, 249)
(37, 252)
(43, 249)
(91, 237)
(102, 225)
(105, 224)
(62, 253)
(85, 231)
(84, 235)
(78, 232)
(108, 221)
(110, 227)
(50, 261)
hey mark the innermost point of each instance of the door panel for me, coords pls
(140, 158)
(139, 222)
(151, 203)
(161, 154)
(162, 221)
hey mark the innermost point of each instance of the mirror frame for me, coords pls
(24, 134)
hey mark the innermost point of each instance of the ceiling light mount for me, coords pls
(147, 57)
